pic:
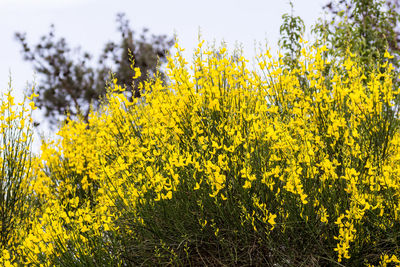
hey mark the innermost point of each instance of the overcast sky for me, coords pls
(91, 23)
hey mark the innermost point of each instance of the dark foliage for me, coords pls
(71, 83)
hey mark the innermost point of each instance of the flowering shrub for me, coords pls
(17, 200)
(227, 165)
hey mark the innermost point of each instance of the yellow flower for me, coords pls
(387, 55)
(247, 184)
(197, 186)
(137, 73)
(271, 220)
(6, 254)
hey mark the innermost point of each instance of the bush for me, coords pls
(225, 165)
(17, 201)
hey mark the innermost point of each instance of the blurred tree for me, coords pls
(367, 27)
(70, 83)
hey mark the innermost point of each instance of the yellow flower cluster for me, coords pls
(16, 175)
(315, 146)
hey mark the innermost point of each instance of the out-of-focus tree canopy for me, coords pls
(70, 80)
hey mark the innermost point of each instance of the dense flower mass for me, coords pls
(223, 164)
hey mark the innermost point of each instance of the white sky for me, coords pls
(91, 23)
